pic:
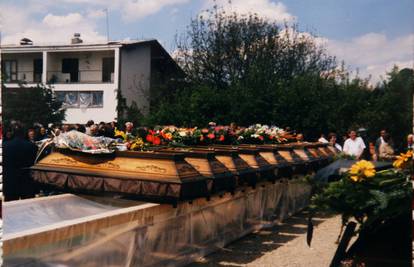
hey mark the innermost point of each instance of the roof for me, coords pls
(65, 46)
(13, 48)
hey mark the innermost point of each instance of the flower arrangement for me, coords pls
(261, 134)
(214, 134)
(131, 142)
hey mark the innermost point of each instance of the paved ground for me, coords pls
(281, 246)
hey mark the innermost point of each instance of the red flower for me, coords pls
(211, 135)
(261, 137)
(149, 138)
(204, 130)
(156, 140)
(221, 139)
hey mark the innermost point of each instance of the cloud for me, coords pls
(96, 14)
(52, 29)
(374, 53)
(13, 19)
(134, 10)
(274, 11)
(131, 10)
(51, 20)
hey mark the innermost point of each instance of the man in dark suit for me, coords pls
(18, 155)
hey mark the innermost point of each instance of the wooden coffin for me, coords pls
(155, 176)
(325, 149)
(299, 166)
(282, 167)
(313, 149)
(219, 178)
(251, 155)
(314, 163)
(243, 173)
(332, 150)
(325, 152)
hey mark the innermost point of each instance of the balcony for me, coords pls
(82, 76)
(23, 77)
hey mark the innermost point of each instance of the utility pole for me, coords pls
(107, 25)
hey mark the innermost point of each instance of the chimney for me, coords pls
(26, 41)
(76, 39)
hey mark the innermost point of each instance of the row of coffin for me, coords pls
(172, 174)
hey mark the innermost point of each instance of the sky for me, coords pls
(370, 36)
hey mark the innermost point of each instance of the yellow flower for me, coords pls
(119, 133)
(403, 159)
(361, 170)
(137, 144)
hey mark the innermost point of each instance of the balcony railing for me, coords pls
(82, 76)
(23, 77)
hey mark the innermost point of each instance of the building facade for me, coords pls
(88, 77)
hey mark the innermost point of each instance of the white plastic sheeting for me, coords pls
(72, 231)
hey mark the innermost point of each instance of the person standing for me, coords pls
(379, 141)
(18, 155)
(354, 145)
(31, 135)
(386, 152)
(129, 129)
(94, 130)
(88, 127)
(332, 141)
(410, 142)
(42, 134)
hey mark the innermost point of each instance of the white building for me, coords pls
(87, 77)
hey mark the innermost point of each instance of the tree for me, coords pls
(237, 69)
(31, 105)
(391, 106)
(247, 70)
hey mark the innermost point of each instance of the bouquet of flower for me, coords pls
(78, 141)
(154, 137)
(260, 134)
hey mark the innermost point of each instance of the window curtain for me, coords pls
(85, 99)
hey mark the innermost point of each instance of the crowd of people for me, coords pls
(355, 145)
(39, 132)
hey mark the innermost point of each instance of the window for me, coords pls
(9, 69)
(107, 69)
(80, 99)
(71, 66)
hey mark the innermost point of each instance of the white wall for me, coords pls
(79, 115)
(135, 73)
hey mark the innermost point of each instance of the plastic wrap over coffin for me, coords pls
(69, 230)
